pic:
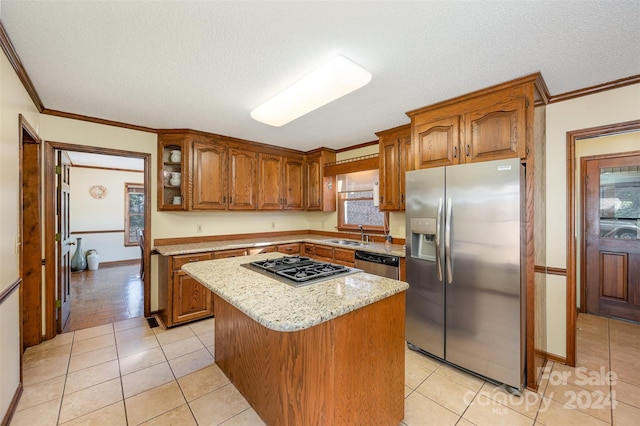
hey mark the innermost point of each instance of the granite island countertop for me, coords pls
(201, 247)
(282, 307)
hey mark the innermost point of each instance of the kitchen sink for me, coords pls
(350, 243)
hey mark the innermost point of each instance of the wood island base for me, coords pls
(346, 371)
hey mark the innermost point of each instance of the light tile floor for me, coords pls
(126, 373)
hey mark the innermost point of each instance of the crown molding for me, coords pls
(81, 117)
(615, 84)
(13, 58)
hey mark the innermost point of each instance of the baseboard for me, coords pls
(12, 407)
(113, 264)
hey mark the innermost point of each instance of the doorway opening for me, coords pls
(574, 139)
(58, 269)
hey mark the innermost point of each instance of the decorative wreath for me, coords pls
(98, 192)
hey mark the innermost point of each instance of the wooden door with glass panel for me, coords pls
(612, 234)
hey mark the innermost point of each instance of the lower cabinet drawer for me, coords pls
(180, 260)
(223, 254)
(293, 248)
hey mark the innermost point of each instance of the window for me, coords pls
(133, 212)
(356, 202)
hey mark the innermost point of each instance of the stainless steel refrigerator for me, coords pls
(465, 302)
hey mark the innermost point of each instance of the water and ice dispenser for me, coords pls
(424, 233)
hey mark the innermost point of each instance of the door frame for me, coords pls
(50, 227)
(30, 236)
(573, 138)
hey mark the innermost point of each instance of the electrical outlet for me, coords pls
(273, 225)
(322, 224)
(199, 228)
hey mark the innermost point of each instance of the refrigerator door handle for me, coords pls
(438, 236)
(447, 242)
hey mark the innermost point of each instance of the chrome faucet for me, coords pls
(361, 233)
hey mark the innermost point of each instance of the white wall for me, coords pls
(106, 214)
(14, 100)
(613, 106)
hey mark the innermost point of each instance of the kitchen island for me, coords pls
(328, 353)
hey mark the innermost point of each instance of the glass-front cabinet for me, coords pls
(172, 171)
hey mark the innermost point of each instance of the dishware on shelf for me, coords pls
(177, 200)
(175, 179)
(175, 156)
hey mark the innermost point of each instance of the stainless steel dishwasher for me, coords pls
(378, 264)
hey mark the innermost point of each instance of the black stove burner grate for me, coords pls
(300, 269)
(312, 271)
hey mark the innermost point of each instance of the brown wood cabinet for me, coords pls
(320, 189)
(209, 176)
(339, 255)
(280, 182)
(243, 167)
(213, 172)
(182, 299)
(395, 159)
(488, 126)
(173, 155)
(293, 184)
(348, 370)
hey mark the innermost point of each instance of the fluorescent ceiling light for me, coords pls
(325, 84)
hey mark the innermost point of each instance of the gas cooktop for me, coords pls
(298, 271)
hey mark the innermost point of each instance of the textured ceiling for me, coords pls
(205, 65)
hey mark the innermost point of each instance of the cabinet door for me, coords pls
(172, 171)
(389, 179)
(496, 131)
(436, 143)
(242, 179)
(209, 177)
(293, 184)
(406, 165)
(346, 257)
(191, 300)
(324, 253)
(269, 182)
(314, 183)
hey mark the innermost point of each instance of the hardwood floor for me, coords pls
(106, 295)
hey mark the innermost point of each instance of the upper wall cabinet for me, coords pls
(395, 159)
(209, 175)
(173, 156)
(280, 182)
(243, 169)
(203, 171)
(487, 125)
(320, 189)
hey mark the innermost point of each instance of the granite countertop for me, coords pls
(282, 307)
(190, 248)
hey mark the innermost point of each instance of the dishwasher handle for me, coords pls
(378, 258)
